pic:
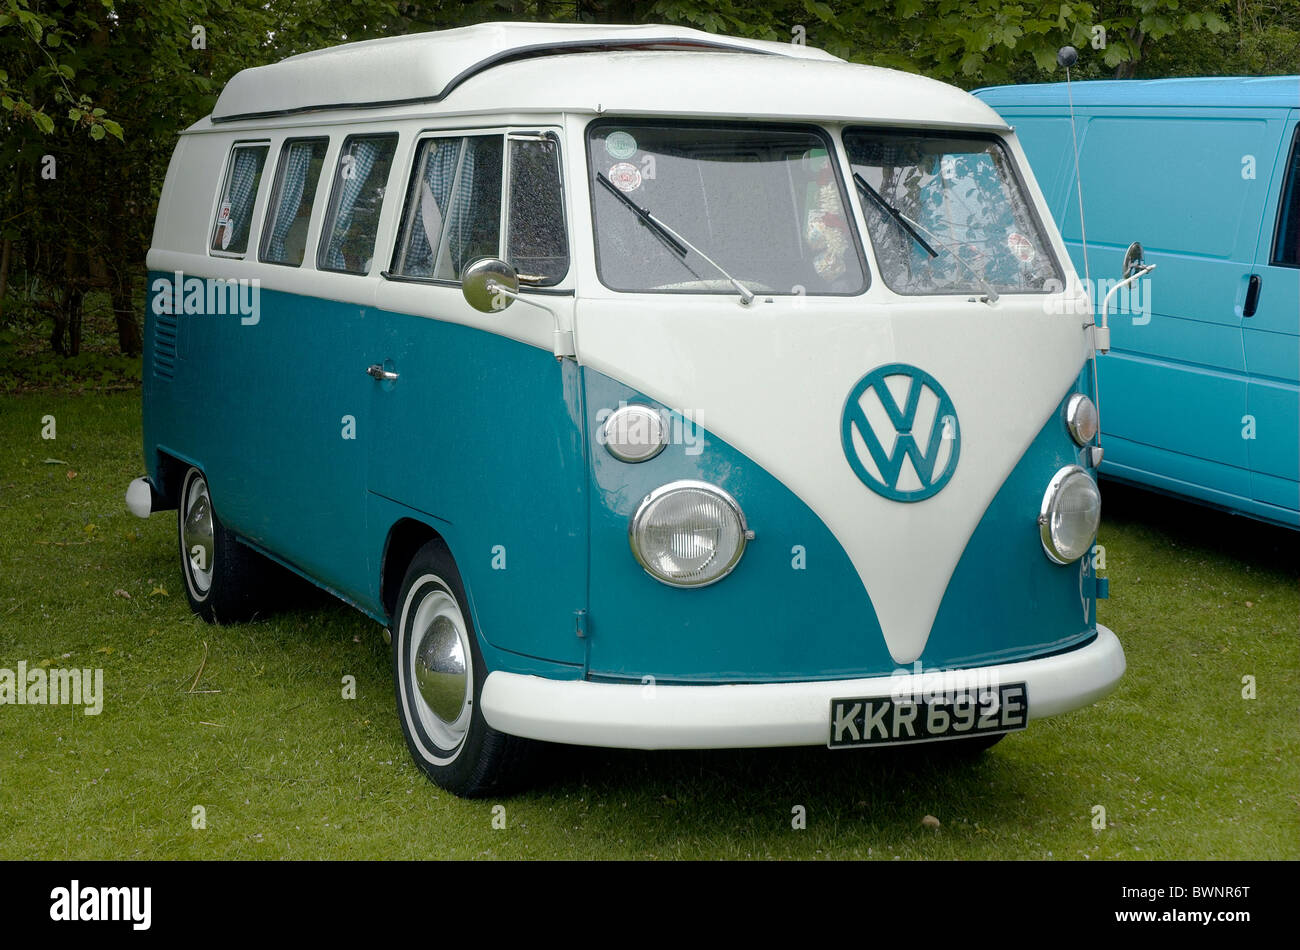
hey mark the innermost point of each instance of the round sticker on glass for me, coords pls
(1020, 247)
(625, 176)
(620, 145)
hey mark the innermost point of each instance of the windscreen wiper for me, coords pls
(675, 242)
(899, 218)
(910, 226)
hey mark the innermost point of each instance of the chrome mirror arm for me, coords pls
(1102, 328)
(562, 340)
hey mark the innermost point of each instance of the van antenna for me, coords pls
(1067, 56)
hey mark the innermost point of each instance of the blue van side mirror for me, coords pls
(489, 285)
(1134, 260)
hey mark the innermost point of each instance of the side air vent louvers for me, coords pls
(164, 346)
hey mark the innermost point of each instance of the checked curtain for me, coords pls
(241, 191)
(297, 162)
(448, 177)
(355, 182)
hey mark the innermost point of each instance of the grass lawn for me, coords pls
(249, 721)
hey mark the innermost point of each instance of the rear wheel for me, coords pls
(225, 581)
(438, 673)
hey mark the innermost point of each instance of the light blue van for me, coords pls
(647, 400)
(1199, 392)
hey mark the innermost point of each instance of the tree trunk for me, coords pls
(4, 273)
(1128, 69)
(120, 289)
(65, 339)
(72, 306)
(58, 335)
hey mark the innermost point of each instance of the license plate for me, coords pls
(879, 720)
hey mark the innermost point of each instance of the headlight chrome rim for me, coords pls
(1082, 419)
(1047, 509)
(636, 523)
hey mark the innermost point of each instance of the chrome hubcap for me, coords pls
(197, 535)
(440, 669)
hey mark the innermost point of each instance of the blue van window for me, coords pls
(536, 244)
(358, 197)
(452, 214)
(428, 202)
(284, 239)
(1286, 248)
(968, 221)
(765, 202)
(474, 224)
(238, 197)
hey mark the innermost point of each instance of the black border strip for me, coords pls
(1289, 187)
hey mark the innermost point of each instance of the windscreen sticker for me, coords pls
(1020, 247)
(625, 176)
(620, 145)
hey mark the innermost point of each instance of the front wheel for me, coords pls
(438, 673)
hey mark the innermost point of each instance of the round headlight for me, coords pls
(634, 433)
(688, 534)
(1081, 419)
(1070, 514)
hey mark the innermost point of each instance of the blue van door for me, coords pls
(476, 439)
(1271, 329)
(477, 430)
(1174, 386)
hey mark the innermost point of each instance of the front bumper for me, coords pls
(634, 716)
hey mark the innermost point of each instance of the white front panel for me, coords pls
(772, 380)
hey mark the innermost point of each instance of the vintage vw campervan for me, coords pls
(653, 389)
(1202, 385)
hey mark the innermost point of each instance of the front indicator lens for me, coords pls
(1081, 419)
(1070, 514)
(688, 534)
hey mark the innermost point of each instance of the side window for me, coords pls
(238, 196)
(348, 238)
(284, 238)
(536, 245)
(452, 214)
(1286, 246)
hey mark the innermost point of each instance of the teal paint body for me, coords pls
(494, 444)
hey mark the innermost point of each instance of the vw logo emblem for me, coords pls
(900, 433)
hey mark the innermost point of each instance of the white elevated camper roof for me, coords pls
(536, 67)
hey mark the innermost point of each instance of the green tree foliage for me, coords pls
(80, 194)
(93, 92)
(40, 50)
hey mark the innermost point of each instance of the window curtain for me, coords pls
(244, 175)
(439, 175)
(364, 155)
(462, 230)
(297, 162)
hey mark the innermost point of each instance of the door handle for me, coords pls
(378, 372)
(1252, 296)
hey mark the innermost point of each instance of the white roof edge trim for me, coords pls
(427, 67)
(206, 127)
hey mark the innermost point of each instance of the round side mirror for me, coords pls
(1133, 260)
(488, 285)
